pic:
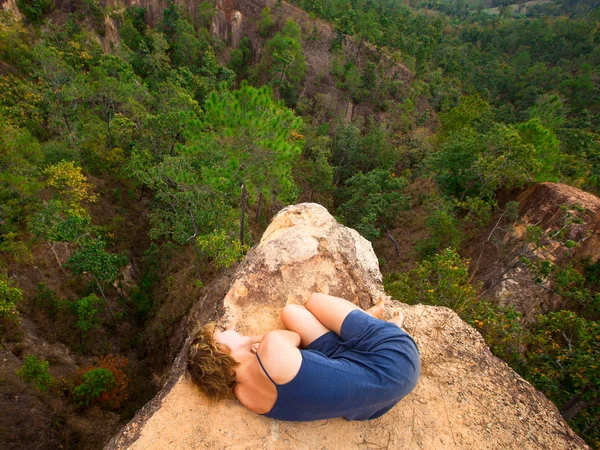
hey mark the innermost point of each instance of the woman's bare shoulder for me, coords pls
(279, 355)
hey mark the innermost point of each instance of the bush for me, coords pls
(47, 300)
(87, 313)
(103, 383)
(36, 370)
(443, 280)
(9, 296)
(444, 231)
(95, 383)
(34, 10)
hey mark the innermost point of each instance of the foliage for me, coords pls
(266, 132)
(564, 357)
(474, 164)
(444, 280)
(36, 370)
(353, 152)
(95, 383)
(46, 299)
(87, 313)
(221, 248)
(70, 185)
(444, 230)
(282, 63)
(19, 158)
(34, 10)
(92, 258)
(319, 172)
(104, 383)
(265, 23)
(9, 296)
(374, 200)
(239, 58)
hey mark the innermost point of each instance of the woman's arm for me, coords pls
(280, 356)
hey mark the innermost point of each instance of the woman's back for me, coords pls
(359, 375)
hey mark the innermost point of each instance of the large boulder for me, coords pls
(465, 398)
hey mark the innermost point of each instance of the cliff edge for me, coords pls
(465, 398)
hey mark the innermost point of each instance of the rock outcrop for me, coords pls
(465, 398)
(557, 224)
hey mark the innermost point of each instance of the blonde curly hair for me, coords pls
(210, 365)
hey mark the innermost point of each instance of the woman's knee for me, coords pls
(290, 315)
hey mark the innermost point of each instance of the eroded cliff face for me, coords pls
(557, 224)
(465, 398)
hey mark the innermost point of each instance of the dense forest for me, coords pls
(137, 167)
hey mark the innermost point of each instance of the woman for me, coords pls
(333, 360)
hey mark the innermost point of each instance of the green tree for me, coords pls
(282, 64)
(63, 218)
(443, 279)
(35, 370)
(186, 209)
(367, 28)
(155, 61)
(95, 383)
(473, 112)
(472, 164)
(186, 47)
(239, 58)
(19, 158)
(374, 201)
(93, 259)
(317, 166)
(248, 142)
(34, 10)
(265, 23)
(87, 313)
(444, 230)
(563, 362)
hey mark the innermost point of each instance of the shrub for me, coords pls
(87, 313)
(95, 383)
(47, 300)
(36, 370)
(106, 386)
(34, 10)
(444, 231)
(443, 280)
(9, 296)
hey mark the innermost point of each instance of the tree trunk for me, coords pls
(358, 49)
(142, 193)
(56, 257)
(243, 207)
(389, 235)
(348, 102)
(462, 197)
(259, 206)
(66, 120)
(104, 297)
(574, 405)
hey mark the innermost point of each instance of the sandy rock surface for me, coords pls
(465, 398)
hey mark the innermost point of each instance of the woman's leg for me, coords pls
(297, 318)
(331, 311)
(322, 313)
